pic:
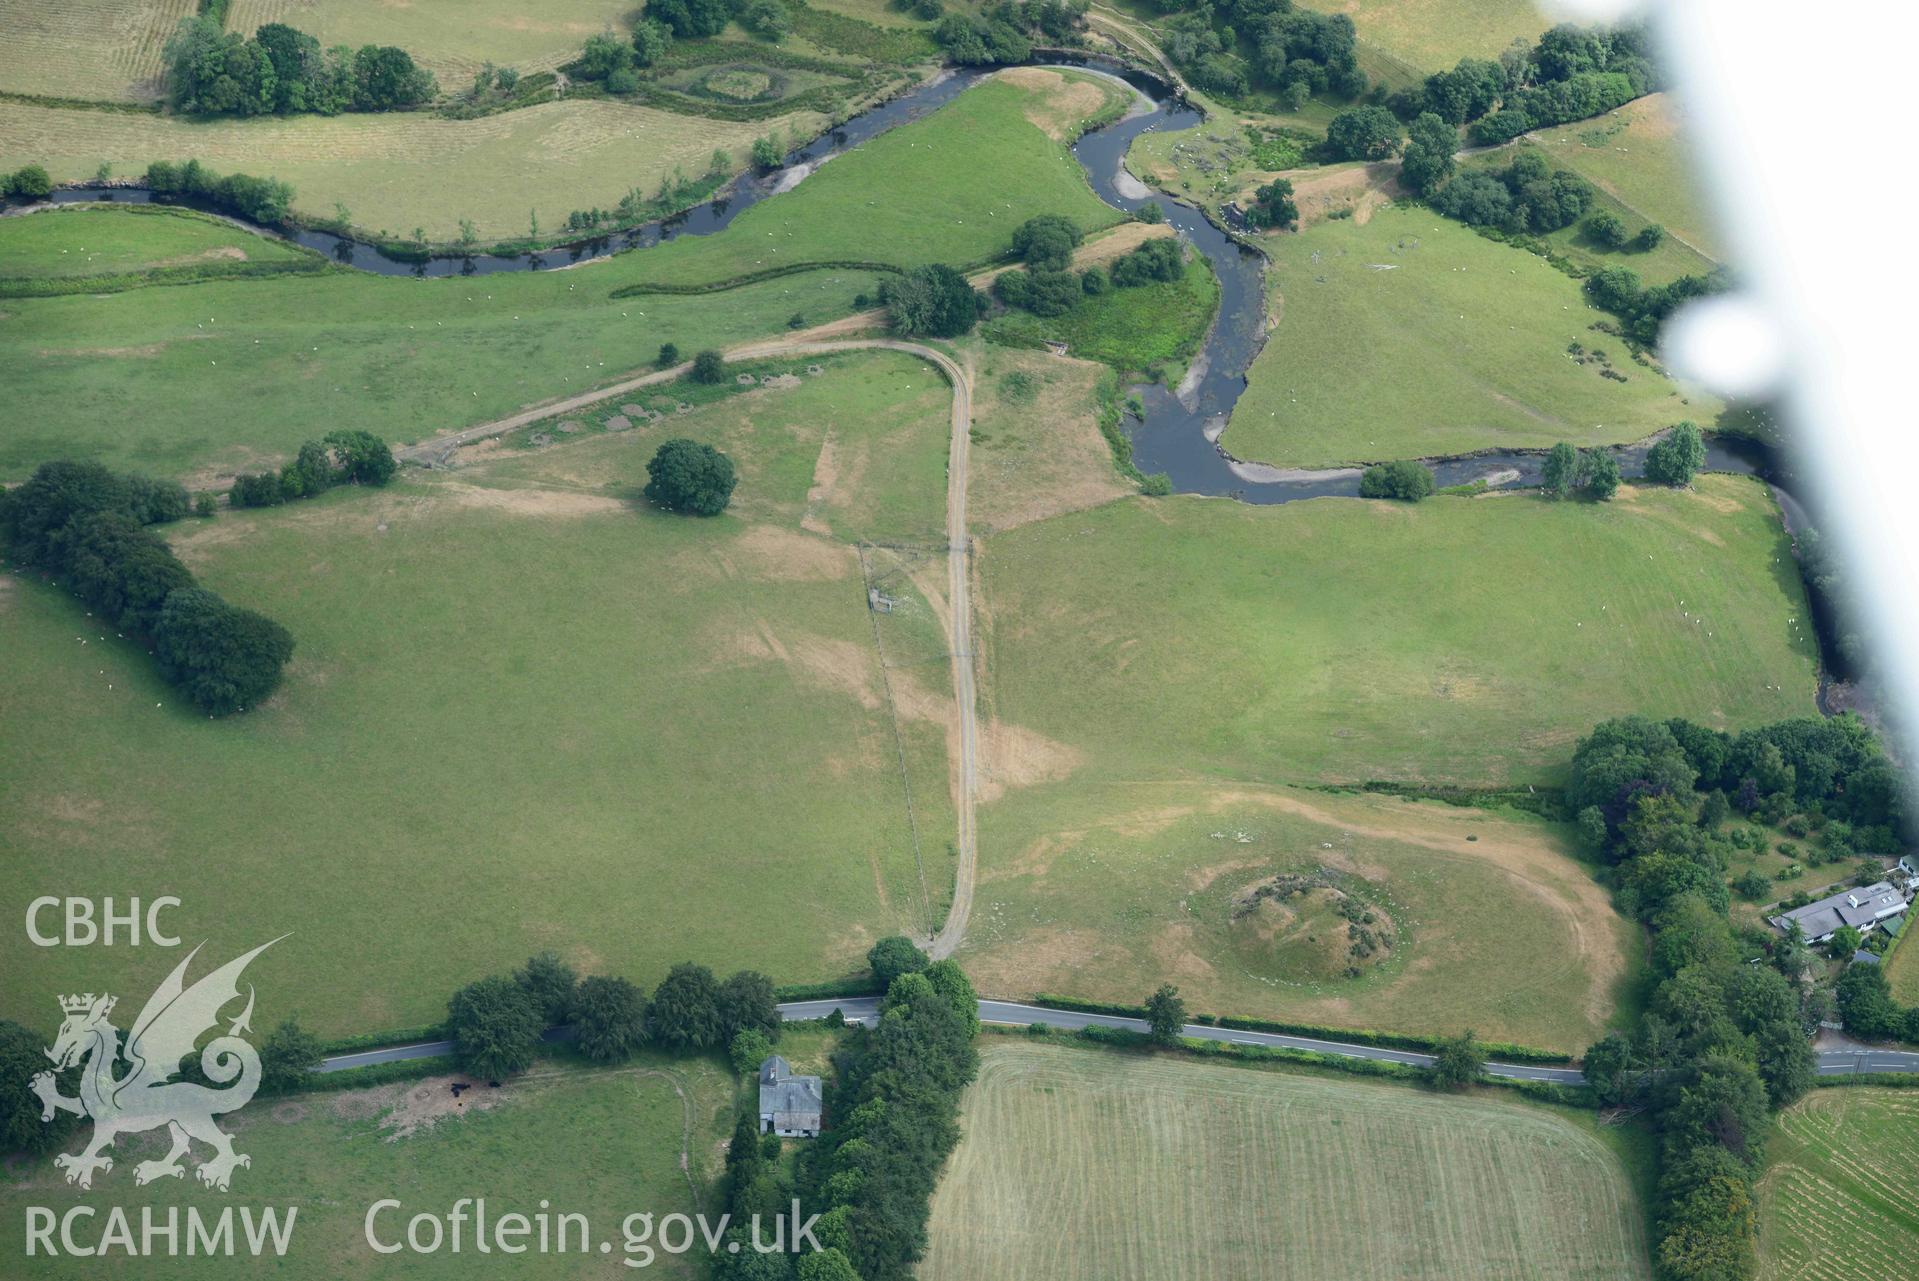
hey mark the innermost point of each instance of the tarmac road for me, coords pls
(863, 1008)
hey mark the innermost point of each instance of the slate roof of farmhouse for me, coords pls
(782, 1092)
(1847, 907)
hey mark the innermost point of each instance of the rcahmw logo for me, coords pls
(131, 1089)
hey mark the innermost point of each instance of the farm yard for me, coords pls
(329, 1155)
(1265, 902)
(1837, 1202)
(451, 38)
(1411, 336)
(1335, 641)
(102, 49)
(709, 726)
(1082, 1163)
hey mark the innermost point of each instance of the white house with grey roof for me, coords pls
(1863, 909)
(790, 1105)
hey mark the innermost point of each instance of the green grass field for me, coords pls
(105, 49)
(84, 240)
(1155, 328)
(1081, 1163)
(1902, 971)
(526, 711)
(1412, 336)
(881, 13)
(1102, 891)
(398, 171)
(601, 1143)
(1036, 450)
(1837, 1200)
(1638, 156)
(1432, 35)
(1461, 641)
(449, 38)
(218, 375)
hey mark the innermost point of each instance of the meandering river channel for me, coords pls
(1178, 433)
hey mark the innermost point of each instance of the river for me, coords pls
(1180, 428)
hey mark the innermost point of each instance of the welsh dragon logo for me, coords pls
(145, 1096)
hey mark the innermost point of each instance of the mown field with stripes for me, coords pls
(107, 49)
(450, 38)
(1087, 1164)
(399, 170)
(1839, 1202)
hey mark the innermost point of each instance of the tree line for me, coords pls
(1528, 197)
(283, 71)
(1594, 473)
(893, 1119)
(1046, 285)
(496, 1023)
(338, 458)
(1723, 1043)
(88, 527)
(770, 20)
(1642, 308)
(1571, 74)
(1005, 32)
(266, 201)
(1296, 53)
(892, 1108)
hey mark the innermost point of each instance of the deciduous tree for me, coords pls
(690, 476)
(684, 1013)
(495, 1028)
(609, 1014)
(893, 956)
(1165, 1014)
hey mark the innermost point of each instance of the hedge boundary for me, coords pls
(1126, 1040)
(385, 1040)
(159, 277)
(1891, 1080)
(757, 277)
(1353, 1036)
(866, 985)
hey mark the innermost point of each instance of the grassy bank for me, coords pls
(1411, 336)
(1462, 641)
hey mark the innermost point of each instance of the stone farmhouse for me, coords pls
(790, 1105)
